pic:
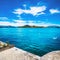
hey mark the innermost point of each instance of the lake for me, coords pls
(38, 41)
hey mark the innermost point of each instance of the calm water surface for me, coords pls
(35, 40)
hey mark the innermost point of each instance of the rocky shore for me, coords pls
(9, 52)
(17, 54)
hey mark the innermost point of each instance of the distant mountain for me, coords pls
(54, 26)
(28, 26)
(7, 26)
(34, 26)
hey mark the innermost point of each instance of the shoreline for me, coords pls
(17, 54)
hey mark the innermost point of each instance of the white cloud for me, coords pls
(14, 23)
(22, 23)
(5, 23)
(52, 11)
(33, 10)
(3, 18)
(18, 11)
(19, 21)
(31, 23)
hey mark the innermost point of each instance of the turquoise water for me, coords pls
(35, 40)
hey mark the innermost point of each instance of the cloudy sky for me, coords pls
(29, 12)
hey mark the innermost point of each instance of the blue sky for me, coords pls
(31, 12)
